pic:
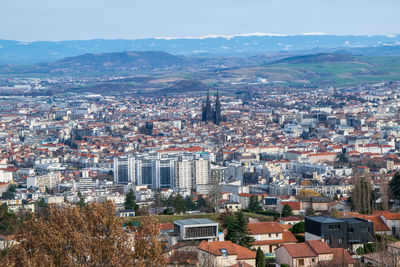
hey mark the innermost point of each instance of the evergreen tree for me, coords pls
(237, 230)
(260, 259)
(254, 204)
(201, 202)
(362, 196)
(10, 193)
(130, 202)
(298, 228)
(189, 203)
(81, 200)
(178, 203)
(395, 185)
(286, 211)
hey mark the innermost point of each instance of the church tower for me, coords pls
(217, 110)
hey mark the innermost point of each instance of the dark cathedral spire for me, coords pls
(209, 113)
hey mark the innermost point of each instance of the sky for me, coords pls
(55, 20)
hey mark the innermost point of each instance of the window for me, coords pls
(224, 253)
(301, 262)
(334, 227)
(269, 235)
(351, 230)
(277, 234)
(313, 260)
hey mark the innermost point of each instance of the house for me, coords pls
(196, 229)
(269, 235)
(392, 220)
(381, 258)
(312, 253)
(233, 206)
(125, 213)
(317, 204)
(339, 232)
(224, 253)
(183, 258)
(380, 226)
(290, 220)
(294, 205)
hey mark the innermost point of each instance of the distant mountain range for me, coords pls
(15, 52)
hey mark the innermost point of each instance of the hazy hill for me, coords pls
(15, 52)
(185, 86)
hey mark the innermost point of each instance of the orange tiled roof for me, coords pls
(295, 205)
(264, 228)
(231, 248)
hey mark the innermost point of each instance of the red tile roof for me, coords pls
(295, 205)
(299, 250)
(258, 228)
(232, 249)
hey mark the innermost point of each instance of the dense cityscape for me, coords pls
(282, 156)
(199, 133)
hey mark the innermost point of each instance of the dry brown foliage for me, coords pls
(88, 236)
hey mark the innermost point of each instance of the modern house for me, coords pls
(339, 232)
(196, 229)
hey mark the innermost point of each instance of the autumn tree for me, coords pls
(75, 236)
(307, 193)
(149, 247)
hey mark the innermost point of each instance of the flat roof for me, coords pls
(324, 219)
(195, 221)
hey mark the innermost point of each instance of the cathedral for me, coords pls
(211, 114)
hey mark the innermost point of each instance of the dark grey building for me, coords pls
(339, 232)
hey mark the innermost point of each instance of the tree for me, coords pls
(8, 221)
(214, 194)
(335, 197)
(260, 259)
(73, 236)
(189, 203)
(307, 193)
(201, 202)
(395, 185)
(286, 211)
(130, 202)
(158, 200)
(148, 244)
(254, 204)
(298, 228)
(237, 231)
(362, 195)
(10, 193)
(384, 193)
(81, 200)
(335, 213)
(178, 203)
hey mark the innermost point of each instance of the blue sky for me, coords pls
(31, 20)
